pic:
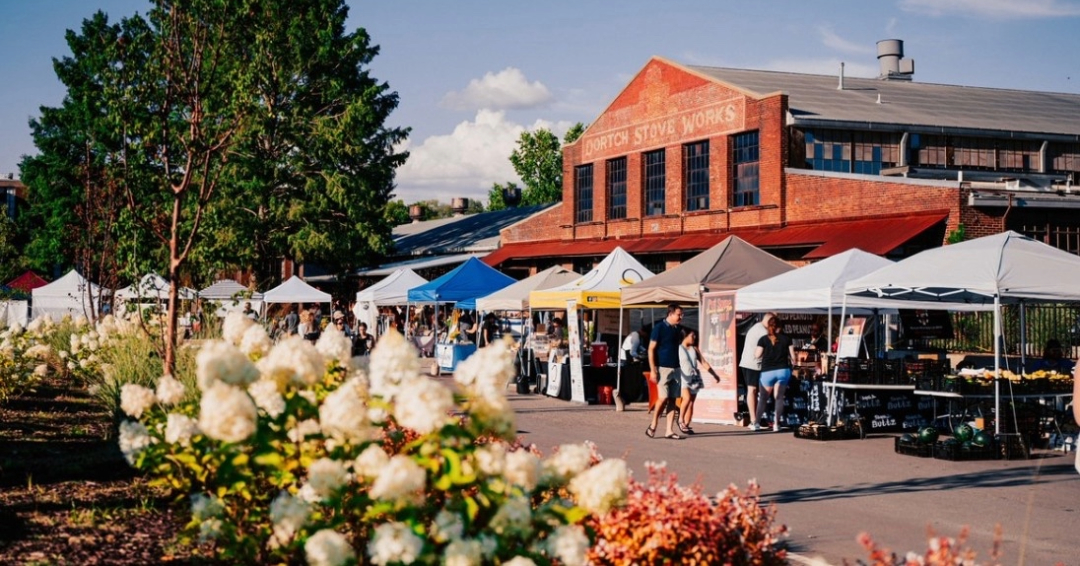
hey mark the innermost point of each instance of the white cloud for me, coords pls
(830, 39)
(507, 89)
(998, 9)
(466, 162)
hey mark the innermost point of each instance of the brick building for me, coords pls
(806, 166)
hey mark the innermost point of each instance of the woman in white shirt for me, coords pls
(689, 360)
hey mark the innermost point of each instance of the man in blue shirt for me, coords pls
(664, 369)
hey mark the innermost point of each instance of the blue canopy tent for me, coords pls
(466, 282)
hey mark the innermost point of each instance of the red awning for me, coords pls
(27, 282)
(874, 235)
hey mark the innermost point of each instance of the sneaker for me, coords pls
(776, 428)
(755, 427)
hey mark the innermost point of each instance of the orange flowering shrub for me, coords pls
(663, 522)
(941, 551)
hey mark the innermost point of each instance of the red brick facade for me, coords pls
(666, 106)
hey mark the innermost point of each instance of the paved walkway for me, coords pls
(829, 492)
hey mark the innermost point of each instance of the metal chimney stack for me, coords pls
(891, 61)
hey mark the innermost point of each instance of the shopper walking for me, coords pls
(750, 365)
(664, 367)
(691, 363)
(777, 355)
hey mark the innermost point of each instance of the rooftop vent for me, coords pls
(893, 65)
(416, 212)
(512, 196)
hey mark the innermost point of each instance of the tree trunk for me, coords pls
(174, 288)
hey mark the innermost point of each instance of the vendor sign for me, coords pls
(718, 402)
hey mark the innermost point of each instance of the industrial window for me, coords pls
(696, 169)
(1018, 155)
(874, 151)
(747, 172)
(655, 181)
(616, 188)
(828, 150)
(974, 153)
(1064, 157)
(583, 192)
(930, 151)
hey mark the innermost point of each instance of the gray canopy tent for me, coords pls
(981, 274)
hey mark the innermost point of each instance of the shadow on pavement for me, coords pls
(981, 479)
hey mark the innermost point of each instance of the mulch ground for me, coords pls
(67, 496)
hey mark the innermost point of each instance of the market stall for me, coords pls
(227, 295)
(70, 295)
(150, 290)
(979, 274)
(392, 290)
(469, 280)
(700, 282)
(597, 290)
(295, 290)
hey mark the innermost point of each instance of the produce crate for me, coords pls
(817, 431)
(913, 448)
(956, 452)
(854, 370)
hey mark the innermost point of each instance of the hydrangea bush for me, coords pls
(24, 356)
(294, 450)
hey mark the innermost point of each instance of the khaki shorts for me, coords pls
(669, 383)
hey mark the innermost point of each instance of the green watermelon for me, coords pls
(963, 432)
(928, 435)
(907, 438)
(981, 439)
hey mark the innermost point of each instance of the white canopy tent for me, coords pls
(294, 290)
(70, 295)
(228, 295)
(150, 287)
(980, 274)
(393, 290)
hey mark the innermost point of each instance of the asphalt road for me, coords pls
(829, 492)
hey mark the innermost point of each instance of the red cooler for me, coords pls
(599, 354)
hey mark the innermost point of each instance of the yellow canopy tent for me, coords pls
(597, 289)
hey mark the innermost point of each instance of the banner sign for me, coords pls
(851, 338)
(577, 375)
(718, 402)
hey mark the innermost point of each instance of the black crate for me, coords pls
(956, 452)
(815, 431)
(913, 448)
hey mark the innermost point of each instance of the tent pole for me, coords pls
(997, 365)
(619, 363)
(829, 406)
(1023, 338)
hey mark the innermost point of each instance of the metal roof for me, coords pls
(918, 107)
(458, 234)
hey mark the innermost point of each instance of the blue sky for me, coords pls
(472, 75)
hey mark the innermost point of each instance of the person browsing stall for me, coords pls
(633, 347)
(1053, 359)
(750, 365)
(664, 367)
(777, 355)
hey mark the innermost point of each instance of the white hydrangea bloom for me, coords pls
(221, 361)
(35, 325)
(303, 429)
(136, 399)
(461, 552)
(288, 514)
(343, 415)
(38, 351)
(205, 507)
(328, 548)
(334, 345)
(602, 486)
(401, 478)
(266, 396)
(234, 326)
(227, 413)
(392, 359)
(370, 462)
(210, 530)
(519, 561)
(326, 476)
(180, 428)
(424, 405)
(447, 526)
(308, 493)
(568, 461)
(394, 542)
(81, 321)
(170, 390)
(513, 518)
(41, 370)
(255, 340)
(134, 438)
(293, 360)
(491, 458)
(486, 372)
(64, 354)
(522, 469)
(569, 544)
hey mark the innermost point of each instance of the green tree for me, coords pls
(397, 213)
(12, 260)
(538, 161)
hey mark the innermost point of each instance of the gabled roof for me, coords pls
(28, 281)
(817, 100)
